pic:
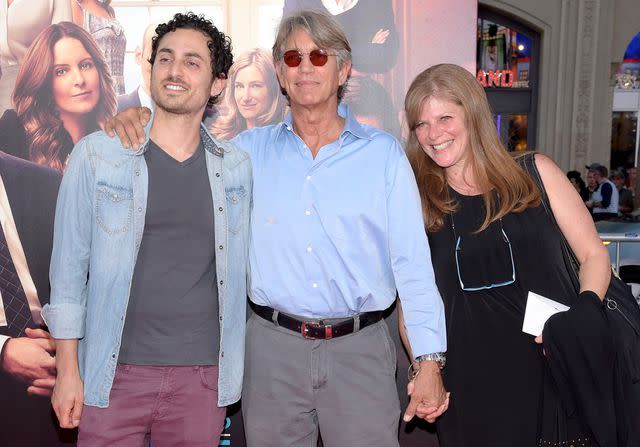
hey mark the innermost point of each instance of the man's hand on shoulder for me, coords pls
(30, 360)
(128, 125)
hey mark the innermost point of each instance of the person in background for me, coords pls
(592, 184)
(63, 92)
(99, 19)
(592, 187)
(576, 180)
(252, 97)
(625, 196)
(632, 185)
(141, 95)
(21, 21)
(492, 243)
(604, 200)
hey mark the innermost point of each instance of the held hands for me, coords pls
(30, 360)
(429, 399)
(67, 400)
(128, 125)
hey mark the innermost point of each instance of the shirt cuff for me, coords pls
(65, 321)
(427, 341)
(3, 340)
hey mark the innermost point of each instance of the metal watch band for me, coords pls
(439, 357)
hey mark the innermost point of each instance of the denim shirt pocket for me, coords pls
(236, 207)
(114, 208)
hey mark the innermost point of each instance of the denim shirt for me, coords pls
(98, 228)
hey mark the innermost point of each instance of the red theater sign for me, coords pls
(496, 78)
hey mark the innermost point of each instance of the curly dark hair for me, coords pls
(219, 44)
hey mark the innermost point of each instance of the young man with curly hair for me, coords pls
(148, 271)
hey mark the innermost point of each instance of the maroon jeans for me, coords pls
(171, 405)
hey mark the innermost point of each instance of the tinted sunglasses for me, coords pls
(318, 57)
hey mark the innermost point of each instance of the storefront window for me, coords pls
(507, 59)
(504, 56)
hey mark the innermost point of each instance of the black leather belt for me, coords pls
(318, 329)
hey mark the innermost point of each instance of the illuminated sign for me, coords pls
(496, 78)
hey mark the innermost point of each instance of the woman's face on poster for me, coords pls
(76, 81)
(251, 93)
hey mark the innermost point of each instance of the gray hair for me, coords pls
(322, 28)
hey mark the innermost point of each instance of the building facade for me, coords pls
(581, 45)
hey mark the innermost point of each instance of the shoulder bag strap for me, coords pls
(528, 162)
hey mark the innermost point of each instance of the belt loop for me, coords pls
(274, 317)
(356, 322)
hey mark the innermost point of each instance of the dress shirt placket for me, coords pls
(312, 194)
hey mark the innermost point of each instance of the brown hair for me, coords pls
(232, 123)
(33, 98)
(494, 169)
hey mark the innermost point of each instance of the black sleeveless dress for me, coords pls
(501, 395)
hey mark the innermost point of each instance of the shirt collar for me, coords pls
(210, 143)
(351, 125)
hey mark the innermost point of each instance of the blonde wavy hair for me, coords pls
(231, 123)
(497, 173)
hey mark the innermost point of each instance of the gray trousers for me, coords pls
(344, 387)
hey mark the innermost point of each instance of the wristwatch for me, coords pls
(439, 357)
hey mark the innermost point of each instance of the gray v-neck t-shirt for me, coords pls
(172, 315)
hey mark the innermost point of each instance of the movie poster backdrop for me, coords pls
(110, 42)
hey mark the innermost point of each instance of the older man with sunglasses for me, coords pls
(336, 230)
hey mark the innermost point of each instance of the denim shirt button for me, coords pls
(222, 354)
(220, 317)
(220, 247)
(221, 282)
(137, 172)
(217, 174)
(220, 209)
(113, 356)
(139, 209)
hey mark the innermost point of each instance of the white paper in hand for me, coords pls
(538, 311)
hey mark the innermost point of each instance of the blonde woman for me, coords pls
(252, 98)
(492, 243)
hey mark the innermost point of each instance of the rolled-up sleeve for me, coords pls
(411, 262)
(65, 315)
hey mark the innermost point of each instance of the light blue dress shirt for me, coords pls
(337, 235)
